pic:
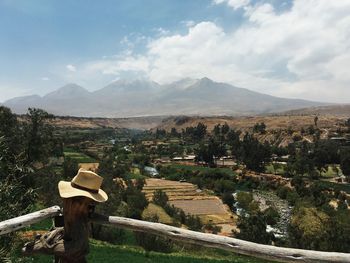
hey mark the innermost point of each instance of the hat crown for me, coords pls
(87, 179)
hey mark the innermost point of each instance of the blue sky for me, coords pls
(284, 48)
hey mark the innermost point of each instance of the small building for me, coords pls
(151, 171)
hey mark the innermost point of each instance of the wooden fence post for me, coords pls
(69, 244)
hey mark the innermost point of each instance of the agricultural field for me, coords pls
(200, 207)
(202, 168)
(194, 201)
(78, 156)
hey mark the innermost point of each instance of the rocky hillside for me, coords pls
(280, 130)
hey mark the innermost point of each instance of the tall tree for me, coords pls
(345, 162)
(39, 135)
(253, 154)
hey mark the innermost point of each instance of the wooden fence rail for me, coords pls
(207, 240)
(20, 222)
(279, 254)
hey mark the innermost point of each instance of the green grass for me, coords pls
(107, 253)
(43, 225)
(270, 170)
(201, 168)
(330, 172)
(135, 176)
(79, 157)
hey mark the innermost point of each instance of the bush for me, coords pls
(272, 216)
(244, 199)
(160, 198)
(152, 242)
(253, 228)
(210, 227)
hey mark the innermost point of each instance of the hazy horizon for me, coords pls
(131, 80)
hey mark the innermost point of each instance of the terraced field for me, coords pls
(200, 207)
(174, 190)
(194, 201)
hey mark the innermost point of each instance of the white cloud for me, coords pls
(235, 4)
(114, 66)
(301, 52)
(45, 78)
(71, 68)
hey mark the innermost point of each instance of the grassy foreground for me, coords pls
(107, 253)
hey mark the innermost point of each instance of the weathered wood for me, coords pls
(207, 240)
(69, 244)
(279, 254)
(20, 222)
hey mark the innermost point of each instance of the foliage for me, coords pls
(259, 128)
(244, 199)
(4, 256)
(253, 154)
(40, 142)
(253, 228)
(194, 223)
(309, 228)
(152, 242)
(70, 168)
(228, 199)
(210, 227)
(16, 193)
(345, 162)
(272, 216)
(160, 198)
(197, 133)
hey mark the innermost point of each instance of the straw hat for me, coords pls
(85, 183)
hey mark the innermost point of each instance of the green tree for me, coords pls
(200, 131)
(345, 162)
(39, 135)
(70, 168)
(227, 198)
(272, 216)
(152, 242)
(160, 198)
(339, 239)
(9, 129)
(16, 195)
(203, 154)
(259, 128)
(309, 228)
(194, 223)
(253, 228)
(254, 154)
(225, 129)
(347, 124)
(244, 199)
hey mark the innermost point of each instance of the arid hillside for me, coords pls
(280, 130)
(334, 110)
(295, 122)
(138, 123)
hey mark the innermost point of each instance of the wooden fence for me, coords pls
(278, 254)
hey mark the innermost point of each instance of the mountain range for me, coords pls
(129, 98)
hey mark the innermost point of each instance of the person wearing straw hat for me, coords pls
(70, 244)
(85, 183)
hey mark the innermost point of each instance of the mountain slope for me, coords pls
(146, 98)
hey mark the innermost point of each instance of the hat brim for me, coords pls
(66, 190)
